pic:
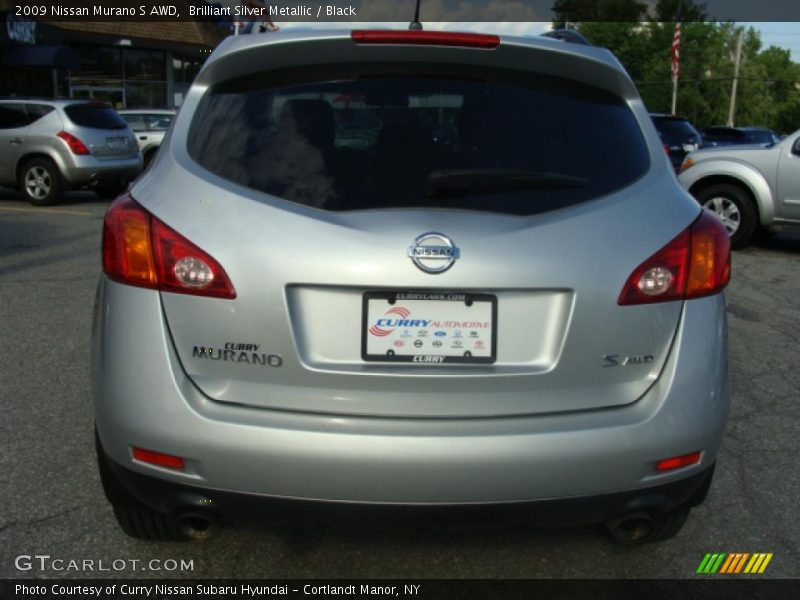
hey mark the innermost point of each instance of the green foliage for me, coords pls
(769, 81)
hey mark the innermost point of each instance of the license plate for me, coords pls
(429, 328)
(117, 143)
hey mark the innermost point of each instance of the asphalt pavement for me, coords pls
(51, 503)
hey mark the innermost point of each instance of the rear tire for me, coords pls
(40, 181)
(669, 524)
(145, 524)
(134, 518)
(735, 208)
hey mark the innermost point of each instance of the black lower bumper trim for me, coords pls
(226, 506)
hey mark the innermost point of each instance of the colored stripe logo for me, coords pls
(734, 563)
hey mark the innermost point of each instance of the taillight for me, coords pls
(425, 38)
(75, 145)
(696, 263)
(666, 149)
(140, 250)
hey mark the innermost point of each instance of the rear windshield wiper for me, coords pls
(470, 182)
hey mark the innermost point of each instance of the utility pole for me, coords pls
(676, 56)
(735, 84)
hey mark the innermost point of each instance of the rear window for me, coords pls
(675, 130)
(94, 116)
(159, 122)
(725, 135)
(758, 136)
(135, 122)
(497, 141)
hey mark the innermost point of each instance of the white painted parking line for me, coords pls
(55, 211)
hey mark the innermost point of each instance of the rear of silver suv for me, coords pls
(410, 268)
(49, 146)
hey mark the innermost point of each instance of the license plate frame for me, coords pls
(117, 143)
(474, 339)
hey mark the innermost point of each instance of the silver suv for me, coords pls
(747, 187)
(410, 268)
(49, 146)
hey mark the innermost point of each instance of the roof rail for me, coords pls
(567, 35)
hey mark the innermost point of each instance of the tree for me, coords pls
(769, 82)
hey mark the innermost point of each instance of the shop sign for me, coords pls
(20, 29)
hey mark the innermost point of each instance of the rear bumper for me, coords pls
(222, 505)
(88, 171)
(143, 398)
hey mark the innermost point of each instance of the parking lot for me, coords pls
(51, 502)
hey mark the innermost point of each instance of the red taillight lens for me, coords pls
(425, 38)
(676, 462)
(696, 263)
(140, 250)
(158, 458)
(75, 145)
(666, 149)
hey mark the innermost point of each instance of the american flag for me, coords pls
(255, 24)
(676, 51)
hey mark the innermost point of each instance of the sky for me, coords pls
(784, 35)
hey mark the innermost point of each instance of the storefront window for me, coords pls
(152, 94)
(125, 77)
(144, 64)
(185, 69)
(98, 62)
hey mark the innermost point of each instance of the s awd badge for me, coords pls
(615, 360)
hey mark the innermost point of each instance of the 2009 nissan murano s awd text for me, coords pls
(410, 268)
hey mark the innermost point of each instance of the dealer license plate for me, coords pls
(117, 143)
(429, 327)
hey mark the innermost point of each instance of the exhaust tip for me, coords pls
(631, 528)
(196, 526)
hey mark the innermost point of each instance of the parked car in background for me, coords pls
(678, 136)
(747, 188)
(49, 146)
(149, 126)
(738, 136)
(524, 313)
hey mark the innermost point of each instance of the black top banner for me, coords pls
(399, 11)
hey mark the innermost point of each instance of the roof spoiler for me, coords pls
(567, 35)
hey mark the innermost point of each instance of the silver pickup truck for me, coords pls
(747, 187)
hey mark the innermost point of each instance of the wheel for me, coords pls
(735, 208)
(134, 518)
(40, 181)
(145, 524)
(669, 524)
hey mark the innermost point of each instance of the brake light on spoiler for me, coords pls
(425, 38)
